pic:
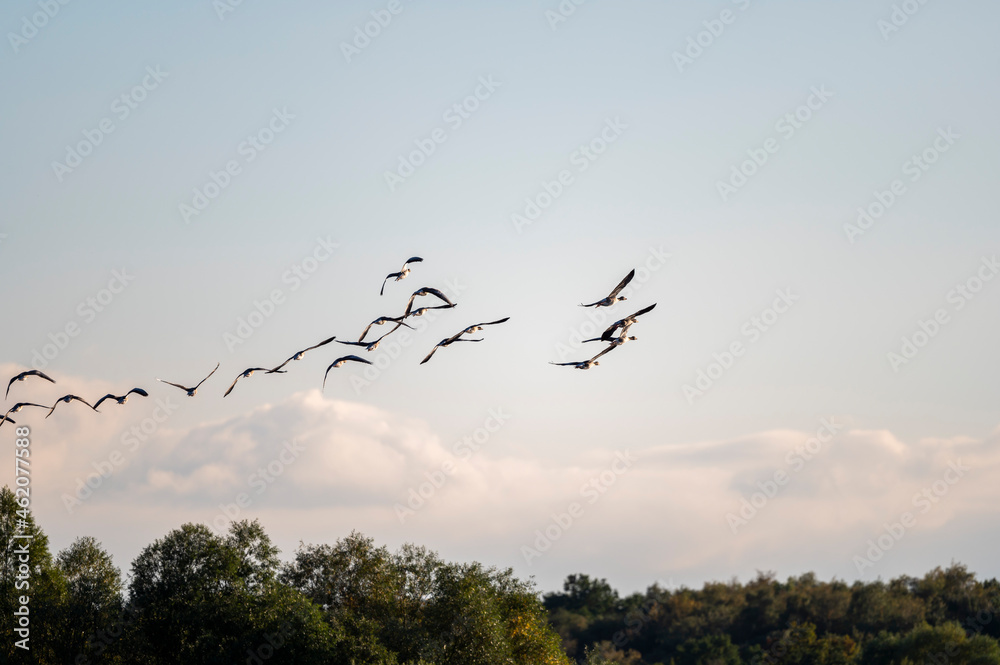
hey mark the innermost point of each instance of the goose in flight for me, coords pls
(191, 391)
(20, 405)
(249, 372)
(613, 296)
(121, 399)
(298, 356)
(426, 291)
(586, 364)
(379, 321)
(67, 399)
(371, 346)
(609, 334)
(420, 311)
(457, 337)
(403, 272)
(340, 361)
(23, 375)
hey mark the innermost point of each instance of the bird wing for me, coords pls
(598, 302)
(435, 292)
(100, 401)
(412, 259)
(562, 364)
(622, 284)
(207, 377)
(387, 278)
(610, 348)
(176, 385)
(42, 375)
(8, 387)
(238, 376)
(4, 419)
(80, 399)
(642, 311)
(491, 323)
(436, 347)
(137, 391)
(340, 341)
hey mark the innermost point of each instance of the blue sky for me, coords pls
(654, 191)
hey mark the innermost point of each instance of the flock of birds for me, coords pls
(615, 336)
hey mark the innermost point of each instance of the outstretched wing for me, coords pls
(207, 377)
(387, 278)
(137, 391)
(238, 377)
(101, 401)
(622, 284)
(175, 385)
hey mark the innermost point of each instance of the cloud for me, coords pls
(314, 468)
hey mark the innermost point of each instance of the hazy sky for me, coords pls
(169, 170)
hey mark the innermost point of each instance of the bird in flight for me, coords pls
(624, 324)
(458, 337)
(23, 375)
(586, 364)
(298, 356)
(191, 391)
(371, 346)
(613, 297)
(121, 399)
(420, 311)
(340, 361)
(249, 372)
(20, 405)
(67, 399)
(404, 271)
(379, 321)
(426, 291)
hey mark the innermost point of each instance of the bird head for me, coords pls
(622, 298)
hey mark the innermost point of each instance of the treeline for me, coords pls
(945, 617)
(198, 597)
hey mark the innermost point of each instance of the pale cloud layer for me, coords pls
(313, 469)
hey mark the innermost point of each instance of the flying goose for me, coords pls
(67, 399)
(371, 346)
(249, 372)
(585, 364)
(404, 271)
(426, 291)
(624, 324)
(379, 321)
(420, 311)
(340, 361)
(121, 399)
(191, 391)
(613, 296)
(23, 375)
(298, 356)
(20, 405)
(457, 337)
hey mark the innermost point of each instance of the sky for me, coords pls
(804, 190)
